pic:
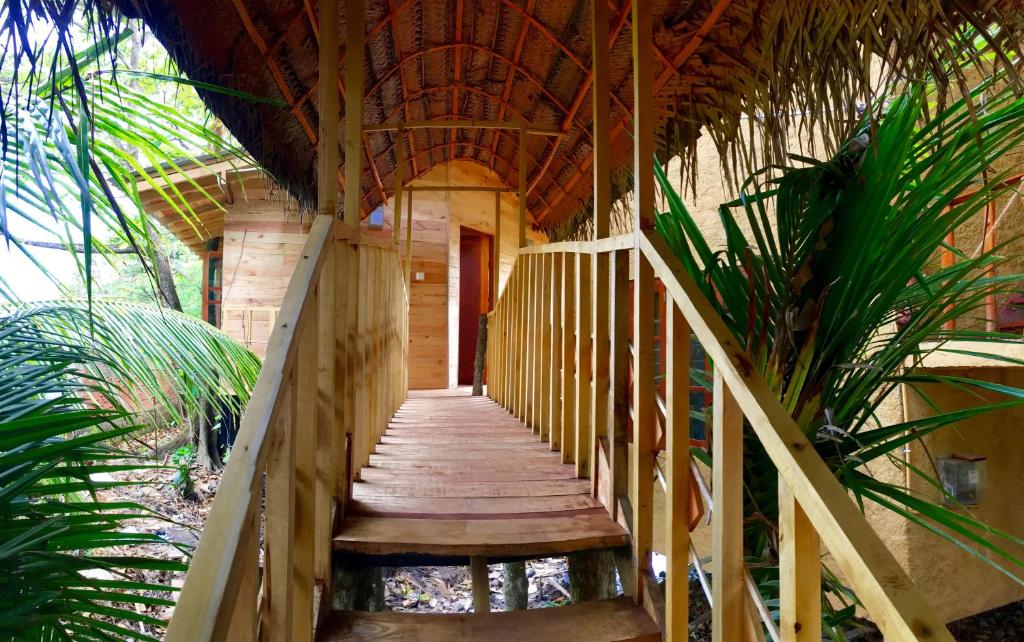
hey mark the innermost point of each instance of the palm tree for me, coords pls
(839, 251)
(67, 382)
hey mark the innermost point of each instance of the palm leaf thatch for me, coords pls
(744, 72)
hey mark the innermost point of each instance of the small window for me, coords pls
(213, 285)
(376, 219)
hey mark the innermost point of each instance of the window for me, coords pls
(376, 219)
(213, 281)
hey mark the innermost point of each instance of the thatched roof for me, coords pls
(718, 62)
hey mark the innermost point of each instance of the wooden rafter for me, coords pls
(677, 61)
(405, 87)
(506, 92)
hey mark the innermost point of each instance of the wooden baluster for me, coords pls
(618, 426)
(509, 314)
(328, 452)
(799, 572)
(555, 376)
(244, 615)
(677, 460)
(529, 338)
(533, 347)
(305, 444)
(512, 404)
(584, 361)
(361, 437)
(544, 362)
(644, 420)
(729, 615)
(568, 359)
(279, 538)
(352, 368)
(522, 347)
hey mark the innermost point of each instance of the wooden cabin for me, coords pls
(448, 127)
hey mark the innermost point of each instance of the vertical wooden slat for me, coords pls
(361, 438)
(948, 259)
(644, 418)
(526, 330)
(677, 494)
(481, 584)
(618, 303)
(352, 366)
(279, 538)
(555, 377)
(244, 618)
(544, 363)
(305, 429)
(355, 53)
(512, 341)
(799, 572)
(584, 314)
(568, 359)
(537, 332)
(730, 613)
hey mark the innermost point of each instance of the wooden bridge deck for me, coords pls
(458, 476)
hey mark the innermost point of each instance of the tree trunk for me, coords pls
(517, 589)
(207, 452)
(591, 576)
(164, 276)
(358, 589)
(478, 361)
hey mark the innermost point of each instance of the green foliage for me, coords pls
(67, 399)
(837, 252)
(183, 458)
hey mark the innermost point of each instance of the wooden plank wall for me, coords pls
(263, 240)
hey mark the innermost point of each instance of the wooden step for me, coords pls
(533, 536)
(615, 620)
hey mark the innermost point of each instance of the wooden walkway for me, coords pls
(458, 476)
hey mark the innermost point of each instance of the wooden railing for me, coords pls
(334, 373)
(542, 368)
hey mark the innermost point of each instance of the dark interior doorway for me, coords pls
(474, 295)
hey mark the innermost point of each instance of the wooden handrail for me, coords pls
(813, 504)
(880, 582)
(295, 449)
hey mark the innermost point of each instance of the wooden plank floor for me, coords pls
(457, 475)
(617, 620)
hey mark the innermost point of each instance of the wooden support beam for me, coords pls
(279, 535)
(468, 123)
(399, 186)
(460, 188)
(496, 252)
(799, 572)
(618, 384)
(568, 359)
(522, 187)
(481, 584)
(554, 429)
(408, 244)
(355, 51)
(305, 443)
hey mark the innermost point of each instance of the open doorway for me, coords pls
(474, 295)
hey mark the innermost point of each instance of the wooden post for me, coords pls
(677, 494)
(522, 186)
(600, 92)
(729, 617)
(496, 253)
(644, 413)
(244, 615)
(947, 260)
(481, 584)
(408, 244)
(355, 52)
(329, 441)
(305, 429)
(799, 572)
(399, 184)
(584, 443)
